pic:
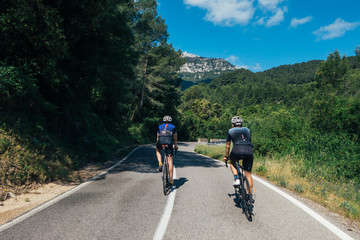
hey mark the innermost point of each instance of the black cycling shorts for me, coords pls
(244, 152)
(168, 150)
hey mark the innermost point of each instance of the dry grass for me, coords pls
(339, 197)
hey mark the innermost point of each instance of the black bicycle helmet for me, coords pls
(167, 119)
(237, 121)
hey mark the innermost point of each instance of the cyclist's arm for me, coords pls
(175, 140)
(227, 149)
(157, 137)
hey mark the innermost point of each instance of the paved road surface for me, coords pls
(128, 203)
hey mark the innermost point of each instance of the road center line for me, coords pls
(165, 218)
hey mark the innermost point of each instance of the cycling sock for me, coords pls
(160, 163)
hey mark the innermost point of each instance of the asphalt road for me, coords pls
(128, 203)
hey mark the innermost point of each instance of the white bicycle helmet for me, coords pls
(237, 120)
(167, 119)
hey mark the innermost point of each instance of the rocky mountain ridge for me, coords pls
(202, 69)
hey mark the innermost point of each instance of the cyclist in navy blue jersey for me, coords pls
(242, 149)
(166, 135)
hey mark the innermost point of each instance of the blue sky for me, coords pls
(262, 34)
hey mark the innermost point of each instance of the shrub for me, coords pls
(298, 188)
(282, 182)
(349, 208)
(261, 170)
(18, 91)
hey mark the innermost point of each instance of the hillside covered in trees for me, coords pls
(309, 110)
(79, 79)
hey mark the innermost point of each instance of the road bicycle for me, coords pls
(243, 196)
(165, 170)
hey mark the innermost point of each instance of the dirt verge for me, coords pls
(16, 205)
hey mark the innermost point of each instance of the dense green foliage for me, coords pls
(309, 110)
(90, 76)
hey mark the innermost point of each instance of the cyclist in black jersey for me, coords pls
(242, 149)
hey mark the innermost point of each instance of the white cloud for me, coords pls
(243, 66)
(226, 12)
(274, 13)
(336, 29)
(296, 22)
(261, 21)
(276, 19)
(255, 68)
(233, 12)
(232, 59)
(270, 5)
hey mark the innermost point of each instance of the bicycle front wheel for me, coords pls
(247, 199)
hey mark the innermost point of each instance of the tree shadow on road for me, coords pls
(144, 160)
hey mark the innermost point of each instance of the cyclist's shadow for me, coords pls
(179, 182)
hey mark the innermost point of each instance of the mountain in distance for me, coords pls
(290, 74)
(205, 70)
(202, 69)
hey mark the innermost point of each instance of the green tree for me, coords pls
(33, 42)
(357, 54)
(18, 91)
(156, 89)
(331, 71)
(150, 31)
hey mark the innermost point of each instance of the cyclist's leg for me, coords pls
(158, 156)
(234, 157)
(169, 151)
(233, 169)
(251, 183)
(248, 164)
(170, 161)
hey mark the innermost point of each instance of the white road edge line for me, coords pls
(165, 218)
(302, 206)
(306, 209)
(60, 197)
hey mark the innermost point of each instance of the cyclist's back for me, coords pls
(242, 147)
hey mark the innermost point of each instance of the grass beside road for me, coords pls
(338, 195)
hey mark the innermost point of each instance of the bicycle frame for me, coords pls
(240, 172)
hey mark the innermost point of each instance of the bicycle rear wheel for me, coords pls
(165, 177)
(247, 198)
